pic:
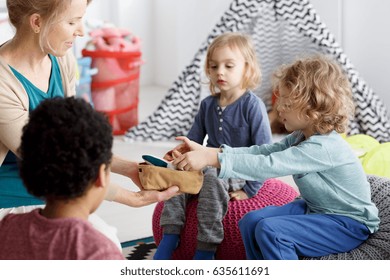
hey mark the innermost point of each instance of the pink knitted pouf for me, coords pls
(273, 192)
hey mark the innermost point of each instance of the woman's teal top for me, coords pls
(12, 190)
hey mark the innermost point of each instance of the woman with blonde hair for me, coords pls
(37, 64)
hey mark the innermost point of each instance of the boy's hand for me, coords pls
(197, 156)
(181, 149)
(238, 195)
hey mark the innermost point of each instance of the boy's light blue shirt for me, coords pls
(328, 174)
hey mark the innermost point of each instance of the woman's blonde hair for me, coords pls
(49, 10)
(243, 43)
(319, 89)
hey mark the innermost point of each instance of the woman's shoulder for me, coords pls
(4, 68)
(10, 87)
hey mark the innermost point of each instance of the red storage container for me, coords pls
(115, 87)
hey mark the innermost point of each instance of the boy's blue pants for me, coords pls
(287, 233)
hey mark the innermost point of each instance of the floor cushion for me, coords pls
(273, 192)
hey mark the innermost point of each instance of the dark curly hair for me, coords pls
(63, 145)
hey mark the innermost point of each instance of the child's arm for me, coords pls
(265, 149)
(197, 134)
(198, 156)
(304, 158)
(257, 118)
(238, 195)
(260, 133)
(229, 158)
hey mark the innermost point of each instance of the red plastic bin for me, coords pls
(115, 87)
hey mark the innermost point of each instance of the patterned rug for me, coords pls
(140, 249)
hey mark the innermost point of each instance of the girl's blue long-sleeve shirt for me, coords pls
(328, 174)
(241, 124)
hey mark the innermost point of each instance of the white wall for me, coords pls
(5, 29)
(137, 16)
(366, 40)
(180, 26)
(180, 29)
(361, 28)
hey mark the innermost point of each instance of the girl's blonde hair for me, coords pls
(243, 43)
(319, 89)
(20, 10)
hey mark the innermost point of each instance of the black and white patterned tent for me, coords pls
(282, 30)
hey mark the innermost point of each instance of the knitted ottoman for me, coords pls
(377, 246)
(273, 192)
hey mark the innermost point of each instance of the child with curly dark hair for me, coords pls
(335, 213)
(66, 157)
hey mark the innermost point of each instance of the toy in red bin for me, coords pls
(115, 52)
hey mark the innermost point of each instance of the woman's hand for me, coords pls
(131, 198)
(126, 168)
(144, 197)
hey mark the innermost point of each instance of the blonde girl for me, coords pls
(232, 115)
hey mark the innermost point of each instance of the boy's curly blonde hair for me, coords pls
(319, 89)
(243, 43)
